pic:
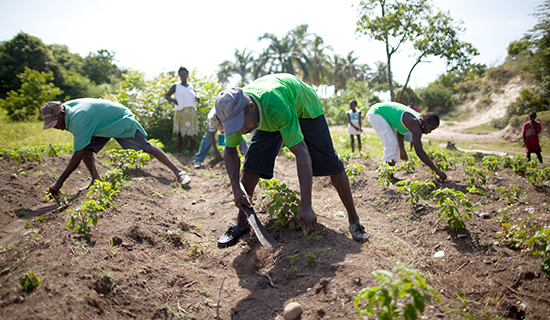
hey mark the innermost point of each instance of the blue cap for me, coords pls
(230, 106)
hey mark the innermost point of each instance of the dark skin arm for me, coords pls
(73, 164)
(233, 164)
(168, 95)
(306, 215)
(412, 123)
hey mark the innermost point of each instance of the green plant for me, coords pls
(415, 189)
(282, 201)
(491, 163)
(126, 159)
(402, 293)
(353, 170)
(293, 263)
(83, 216)
(29, 281)
(538, 176)
(34, 221)
(451, 201)
(476, 176)
(510, 194)
(442, 160)
(409, 165)
(386, 174)
(311, 258)
(468, 159)
(195, 250)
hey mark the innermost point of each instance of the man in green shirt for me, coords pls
(93, 122)
(275, 109)
(388, 117)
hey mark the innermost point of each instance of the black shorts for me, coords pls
(138, 142)
(264, 147)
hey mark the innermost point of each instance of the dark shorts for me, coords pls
(136, 143)
(264, 147)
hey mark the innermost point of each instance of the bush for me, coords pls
(25, 104)
(437, 98)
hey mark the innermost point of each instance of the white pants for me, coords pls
(388, 135)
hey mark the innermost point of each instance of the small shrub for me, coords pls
(400, 294)
(415, 189)
(29, 281)
(451, 201)
(283, 202)
(386, 174)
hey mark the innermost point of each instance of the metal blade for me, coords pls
(263, 236)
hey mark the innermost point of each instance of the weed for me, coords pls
(195, 251)
(34, 221)
(293, 263)
(387, 300)
(29, 281)
(311, 258)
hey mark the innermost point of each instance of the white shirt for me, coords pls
(185, 96)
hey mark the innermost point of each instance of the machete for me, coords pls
(265, 238)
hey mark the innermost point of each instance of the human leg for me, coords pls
(388, 137)
(528, 155)
(325, 162)
(178, 142)
(352, 143)
(204, 147)
(539, 155)
(359, 142)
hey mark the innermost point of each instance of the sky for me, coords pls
(162, 35)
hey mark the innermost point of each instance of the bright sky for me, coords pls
(161, 35)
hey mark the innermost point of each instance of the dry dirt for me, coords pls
(164, 263)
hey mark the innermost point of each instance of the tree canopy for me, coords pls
(413, 23)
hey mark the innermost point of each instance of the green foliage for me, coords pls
(415, 189)
(529, 234)
(146, 100)
(442, 160)
(35, 154)
(402, 23)
(401, 294)
(468, 159)
(25, 103)
(437, 97)
(510, 194)
(386, 174)
(103, 194)
(518, 163)
(409, 165)
(353, 170)
(476, 176)
(452, 202)
(126, 159)
(491, 163)
(29, 281)
(537, 177)
(282, 201)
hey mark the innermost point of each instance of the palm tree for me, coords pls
(244, 66)
(318, 63)
(287, 54)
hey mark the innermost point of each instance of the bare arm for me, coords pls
(233, 165)
(305, 176)
(416, 130)
(168, 95)
(400, 143)
(73, 164)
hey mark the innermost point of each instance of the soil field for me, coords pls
(155, 255)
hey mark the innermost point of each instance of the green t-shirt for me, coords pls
(88, 117)
(282, 99)
(393, 113)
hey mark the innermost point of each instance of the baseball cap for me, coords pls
(230, 106)
(49, 113)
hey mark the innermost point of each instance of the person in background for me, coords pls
(408, 135)
(213, 124)
(93, 122)
(531, 131)
(279, 108)
(186, 122)
(385, 117)
(354, 125)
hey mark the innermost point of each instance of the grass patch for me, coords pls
(482, 128)
(19, 134)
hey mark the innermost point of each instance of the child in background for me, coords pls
(354, 125)
(531, 130)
